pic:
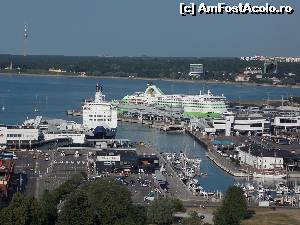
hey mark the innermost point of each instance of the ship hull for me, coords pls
(269, 176)
(203, 114)
(101, 132)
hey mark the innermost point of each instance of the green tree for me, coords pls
(103, 202)
(48, 205)
(137, 215)
(76, 210)
(177, 205)
(160, 212)
(233, 209)
(193, 219)
(110, 201)
(22, 211)
(68, 187)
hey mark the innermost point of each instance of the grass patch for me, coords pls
(271, 219)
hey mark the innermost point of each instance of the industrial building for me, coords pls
(196, 69)
(270, 66)
(115, 160)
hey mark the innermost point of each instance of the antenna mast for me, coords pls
(25, 40)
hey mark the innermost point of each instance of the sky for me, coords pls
(144, 27)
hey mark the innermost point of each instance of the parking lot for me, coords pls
(48, 169)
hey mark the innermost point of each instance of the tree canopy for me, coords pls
(161, 211)
(79, 202)
(233, 209)
(22, 211)
(221, 68)
(193, 219)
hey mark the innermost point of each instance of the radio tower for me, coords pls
(25, 40)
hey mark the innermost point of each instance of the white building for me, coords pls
(196, 69)
(249, 125)
(77, 138)
(242, 78)
(285, 123)
(261, 159)
(18, 135)
(252, 70)
(57, 70)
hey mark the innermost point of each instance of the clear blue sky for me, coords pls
(144, 27)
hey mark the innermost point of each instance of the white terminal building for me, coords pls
(18, 135)
(249, 125)
(286, 123)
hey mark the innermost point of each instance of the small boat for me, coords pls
(281, 188)
(77, 113)
(70, 112)
(3, 108)
(193, 186)
(189, 172)
(206, 194)
(269, 175)
(296, 189)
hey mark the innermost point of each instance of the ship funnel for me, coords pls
(99, 97)
(97, 87)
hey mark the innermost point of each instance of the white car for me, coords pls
(150, 197)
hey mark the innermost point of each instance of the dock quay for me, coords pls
(212, 154)
(165, 126)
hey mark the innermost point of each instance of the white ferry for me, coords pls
(99, 117)
(149, 97)
(169, 101)
(202, 105)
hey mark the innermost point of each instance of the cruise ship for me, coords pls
(99, 117)
(202, 105)
(149, 97)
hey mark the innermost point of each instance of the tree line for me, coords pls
(150, 67)
(106, 202)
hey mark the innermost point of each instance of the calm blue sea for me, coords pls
(52, 96)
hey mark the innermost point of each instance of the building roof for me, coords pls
(259, 151)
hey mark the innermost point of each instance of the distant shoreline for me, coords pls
(151, 79)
